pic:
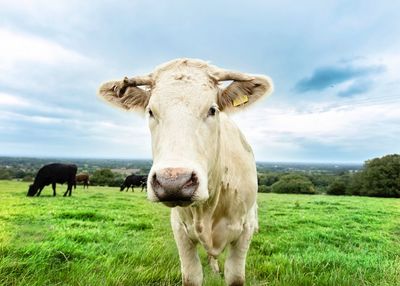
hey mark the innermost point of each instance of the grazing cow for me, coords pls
(203, 167)
(134, 181)
(84, 178)
(53, 174)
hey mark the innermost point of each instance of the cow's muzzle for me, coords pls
(175, 186)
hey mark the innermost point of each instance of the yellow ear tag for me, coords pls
(240, 100)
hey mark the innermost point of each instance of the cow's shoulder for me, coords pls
(238, 167)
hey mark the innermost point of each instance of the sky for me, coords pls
(335, 67)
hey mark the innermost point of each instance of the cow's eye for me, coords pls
(212, 111)
(151, 113)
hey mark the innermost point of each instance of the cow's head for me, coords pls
(184, 101)
(32, 190)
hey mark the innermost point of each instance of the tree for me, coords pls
(381, 177)
(102, 177)
(118, 180)
(5, 174)
(19, 174)
(269, 178)
(293, 184)
(321, 181)
(264, 189)
(355, 186)
(338, 186)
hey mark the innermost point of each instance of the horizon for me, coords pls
(336, 76)
(149, 159)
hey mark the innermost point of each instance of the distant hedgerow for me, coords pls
(293, 184)
(264, 189)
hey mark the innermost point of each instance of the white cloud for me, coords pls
(17, 48)
(113, 137)
(8, 101)
(285, 131)
(28, 119)
(11, 100)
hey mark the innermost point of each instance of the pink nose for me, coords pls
(175, 186)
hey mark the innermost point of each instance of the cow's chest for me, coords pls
(214, 235)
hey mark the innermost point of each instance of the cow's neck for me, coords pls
(201, 215)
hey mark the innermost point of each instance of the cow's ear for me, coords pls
(243, 91)
(128, 94)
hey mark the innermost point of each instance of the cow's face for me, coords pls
(183, 118)
(32, 190)
(183, 102)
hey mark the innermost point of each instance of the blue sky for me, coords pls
(335, 65)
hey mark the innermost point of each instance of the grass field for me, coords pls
(105, 237)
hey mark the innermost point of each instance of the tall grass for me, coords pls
(101, 236)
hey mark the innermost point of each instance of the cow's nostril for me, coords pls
(154, 181)
(193, 181)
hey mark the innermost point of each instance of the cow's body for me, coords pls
(132, 181)
(202, 165)
(54, 174)
(84, 179)
(230, 217)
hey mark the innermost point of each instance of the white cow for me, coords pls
(203, 166)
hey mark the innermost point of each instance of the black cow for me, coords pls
(134, 181)
(52, 174)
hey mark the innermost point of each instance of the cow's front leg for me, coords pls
(192, 272)
(40, 190)
(234, 270)
(53, 185)
(69, 190)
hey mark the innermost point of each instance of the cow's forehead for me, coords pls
(187, 66)
(183, 72)
(184, 82)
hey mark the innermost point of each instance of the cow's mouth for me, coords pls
(173, 204)
(175, 199)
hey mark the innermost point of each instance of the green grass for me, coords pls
(105, 237)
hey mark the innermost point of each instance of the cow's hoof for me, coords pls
(188, 282)
(193, 280)
(237, 282)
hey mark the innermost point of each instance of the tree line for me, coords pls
(379, 177)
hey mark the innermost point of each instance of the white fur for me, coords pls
(224, 214)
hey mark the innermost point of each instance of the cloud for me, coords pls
(36, 66)
(17, 47)
(31, 106)
(346, 129)
(324, 77)
(42, 135)
(357, 87)
(11, 100)
(28, 119)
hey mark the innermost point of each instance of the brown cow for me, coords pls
(84, 178)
